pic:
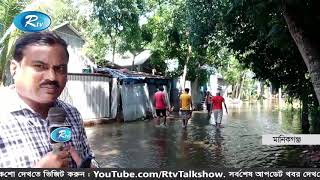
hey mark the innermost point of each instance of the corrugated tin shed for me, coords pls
(126, 76)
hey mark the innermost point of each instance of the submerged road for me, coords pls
(142, 145)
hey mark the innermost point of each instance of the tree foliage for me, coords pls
(180, 25)
(260, 37)
(8, 10)
(119, 20)
(168, 34)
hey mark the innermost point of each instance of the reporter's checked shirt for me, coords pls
(24, 135)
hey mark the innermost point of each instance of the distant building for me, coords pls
(216, 83)
(132, 92)
(78, 62)
(88, 92)
(140, 63)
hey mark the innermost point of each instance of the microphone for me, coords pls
(59, 131)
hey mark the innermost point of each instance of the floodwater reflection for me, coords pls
(142, 145)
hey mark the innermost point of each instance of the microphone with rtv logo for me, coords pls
(60, 132)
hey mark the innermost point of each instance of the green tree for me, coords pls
(234, 74)
(119, 18)
(261, 35)
(186, 30)
(8, 10)
(302, 18)
(97, 43)
(135, 37)
(169, 34)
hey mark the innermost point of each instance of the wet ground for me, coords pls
(142, 145)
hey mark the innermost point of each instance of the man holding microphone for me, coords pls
(39, 70)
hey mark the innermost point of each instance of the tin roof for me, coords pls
(124, 73)
(127, 60)
(73, 29)
(129, 76)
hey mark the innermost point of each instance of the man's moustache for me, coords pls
(50, 83)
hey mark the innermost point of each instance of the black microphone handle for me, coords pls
(56, 118)
(57, 147)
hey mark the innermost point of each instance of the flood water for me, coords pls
(142, 145)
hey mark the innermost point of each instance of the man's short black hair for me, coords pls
(37, 38)
(186, 90)
(161, 88)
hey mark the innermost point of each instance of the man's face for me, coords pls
(41, 75)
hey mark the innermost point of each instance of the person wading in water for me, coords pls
(217, 108)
